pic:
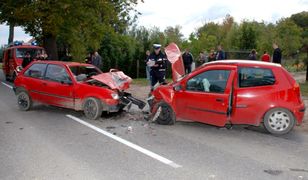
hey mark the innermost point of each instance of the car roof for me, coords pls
(64, 63)
(243, 62)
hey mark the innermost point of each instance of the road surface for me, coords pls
(54, 143)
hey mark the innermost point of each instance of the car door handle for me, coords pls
(44, 84)
(220, 100)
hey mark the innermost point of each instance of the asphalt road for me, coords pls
(45, 143)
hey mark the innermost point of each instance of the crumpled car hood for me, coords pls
(115, 80)
(175, 57)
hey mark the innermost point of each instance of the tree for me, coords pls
(173, 34)
(288, 36)
(12, 13)
(248, 36)
(81, 24)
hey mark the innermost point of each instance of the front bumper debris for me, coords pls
(127, 100)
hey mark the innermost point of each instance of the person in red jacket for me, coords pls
(266, 57)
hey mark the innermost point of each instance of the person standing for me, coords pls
(212, 56)
(265, 57)
(201, 59)
(220, 55)
(97, 60)
(26, 60)
(158, 63)
(187, 60)
(88, 59)
(277, 54)
(147, 68)
(252, 55)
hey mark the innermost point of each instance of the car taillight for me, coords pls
(296, 88)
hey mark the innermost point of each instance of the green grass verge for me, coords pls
(304, 89)
(140, 82)
(145, 82)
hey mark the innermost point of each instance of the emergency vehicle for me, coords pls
(13, 56)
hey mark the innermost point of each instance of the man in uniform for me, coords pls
(158, 63)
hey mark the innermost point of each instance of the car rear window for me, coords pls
(251, 77)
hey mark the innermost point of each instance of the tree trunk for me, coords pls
(11, 33)
(50, 45)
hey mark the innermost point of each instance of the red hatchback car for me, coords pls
(73, 85)
(232, 92)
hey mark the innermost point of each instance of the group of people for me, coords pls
(203, 58)
(27, 59)
(156, 62)
(266, 57)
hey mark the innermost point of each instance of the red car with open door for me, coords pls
(73, 85)
(232, 92)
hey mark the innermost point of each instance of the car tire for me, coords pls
(279, 121)
(24, 101)
(92, 108)
(166, 116)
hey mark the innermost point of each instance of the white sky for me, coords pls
(191, 14)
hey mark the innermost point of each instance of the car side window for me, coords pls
(36, 71)
(252, 77)
(57, 73)
(213, 81)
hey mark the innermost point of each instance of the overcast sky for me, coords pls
(191, 14)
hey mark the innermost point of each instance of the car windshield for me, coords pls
(21, 52)
(86, 71)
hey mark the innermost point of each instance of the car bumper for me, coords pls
(299, 112)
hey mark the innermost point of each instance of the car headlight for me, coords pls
(18, 68)
(115, 96)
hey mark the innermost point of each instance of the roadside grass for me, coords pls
(304, 89)
(145, 82)
(140, 82)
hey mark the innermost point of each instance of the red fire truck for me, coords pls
(13, 56)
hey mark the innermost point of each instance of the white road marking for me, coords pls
(127, 143)
(7, 85)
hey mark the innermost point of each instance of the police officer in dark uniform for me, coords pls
(158, 63)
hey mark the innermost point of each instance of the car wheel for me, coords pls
(92, 108)
(279, 121)
(164, 114)
(24, 101)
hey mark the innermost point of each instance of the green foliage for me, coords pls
(304, 89)
(248, 36)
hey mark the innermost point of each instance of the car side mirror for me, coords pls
(177, 87)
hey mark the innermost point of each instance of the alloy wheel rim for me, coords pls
(279, 121)
(23, 101)
(90, 109)
(164, 113)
